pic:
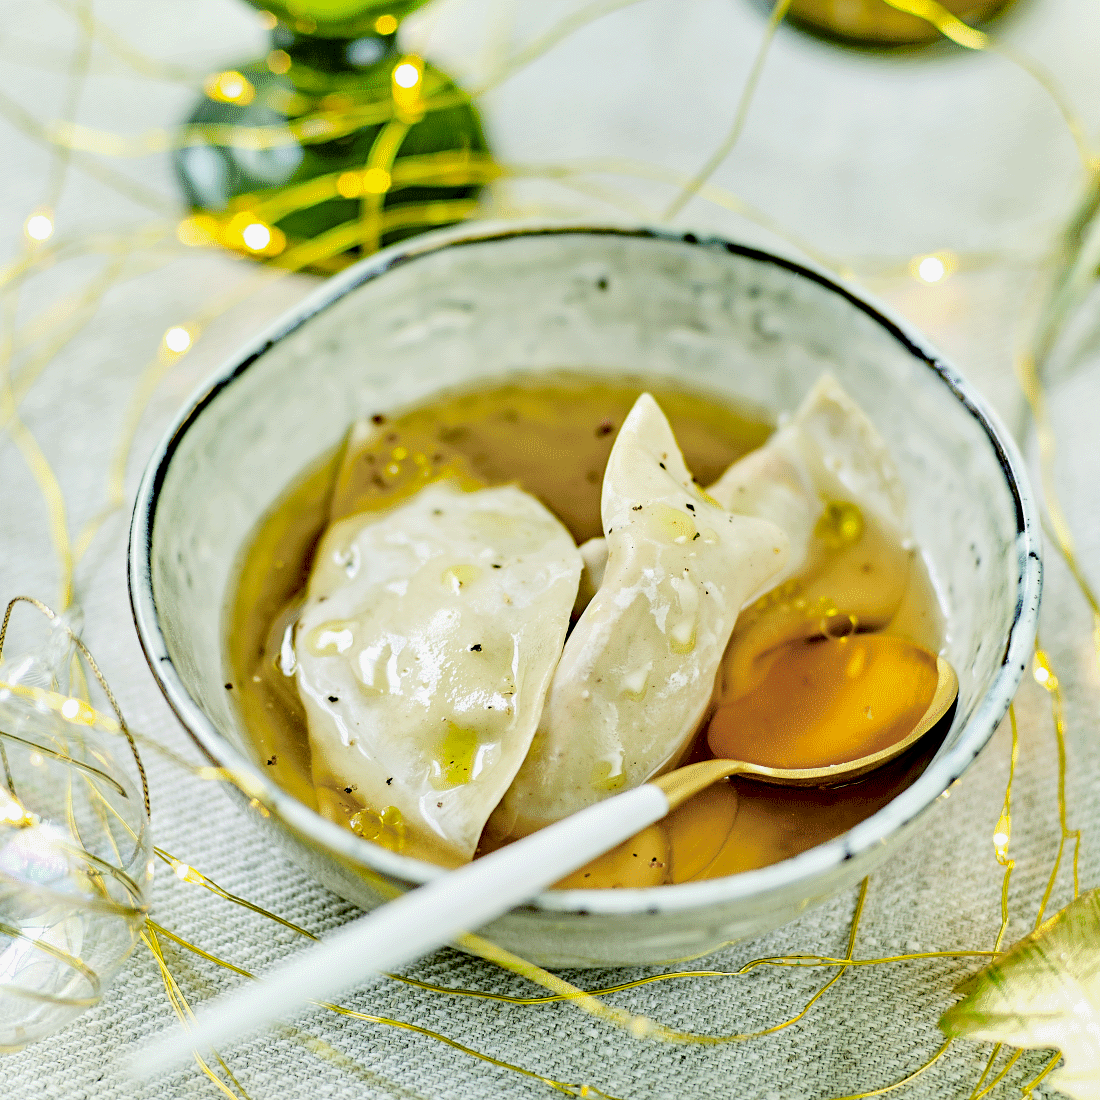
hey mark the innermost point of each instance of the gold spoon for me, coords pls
(433, 914)
(681, 784)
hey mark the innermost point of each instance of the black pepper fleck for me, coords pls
(273, 759)
(691, 507)
(334, 699)
(475, 648)
(378, 418)
(228, 687)
(389, 781)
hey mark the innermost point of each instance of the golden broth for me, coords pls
(551, 436)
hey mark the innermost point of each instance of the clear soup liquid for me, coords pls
(817, 642)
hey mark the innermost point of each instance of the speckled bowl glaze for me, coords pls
(481, 303)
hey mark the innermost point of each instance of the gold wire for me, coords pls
(129, 55)
(124, 729)
(116, 181)
(593, 11)
(561, 30)
(1054, 689)
(365, 1017)
(1053, 1061)
(1016, 1056)
(976, 1091)
(63, 757)
(75, 317)
(191, 874)
(62, 956)
(1004, 828)
(641, 1026)
(778, 14)
(183, 1012)
(49, 487)
(826, 960)
(940, 1052)
(383, 153)
(953, 28)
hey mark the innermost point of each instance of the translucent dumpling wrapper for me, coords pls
(424, 653)
(827, 452)
(638, 669)
(827, 478)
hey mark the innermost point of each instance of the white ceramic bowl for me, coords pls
(479, 303)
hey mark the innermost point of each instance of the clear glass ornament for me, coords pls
(75, 857)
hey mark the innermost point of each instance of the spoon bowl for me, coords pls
(681, 784)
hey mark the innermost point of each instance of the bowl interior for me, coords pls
(730, 321)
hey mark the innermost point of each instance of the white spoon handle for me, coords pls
(412, 925)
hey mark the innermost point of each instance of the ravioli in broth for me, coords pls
(551, 436)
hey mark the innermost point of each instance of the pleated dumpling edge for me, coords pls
(424, 654)
(638, 670)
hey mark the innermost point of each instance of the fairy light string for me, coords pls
(81, 146)
(778, 14)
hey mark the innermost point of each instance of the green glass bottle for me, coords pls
(334, 144)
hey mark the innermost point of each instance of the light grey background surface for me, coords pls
(870, 159)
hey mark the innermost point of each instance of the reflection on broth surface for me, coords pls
(551, 436)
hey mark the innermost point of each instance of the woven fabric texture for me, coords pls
(941, 893)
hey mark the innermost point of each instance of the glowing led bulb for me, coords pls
(230, 87)
(177, 339)
(70, 709)
(931, 269)
(406, 75)
(38, 227)
(256, 236)
(385, 24)
(1041, 674)
(376, 181)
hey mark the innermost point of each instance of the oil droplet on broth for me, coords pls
(386, 828)
(825, 701)
(840, 524)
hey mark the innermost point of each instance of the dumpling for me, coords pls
(828, 452)
(424, 653)
(637, 672)
(827, 478)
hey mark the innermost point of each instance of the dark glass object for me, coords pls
(874, 24)
(334, 144)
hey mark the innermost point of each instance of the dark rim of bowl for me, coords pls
(794, 872)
